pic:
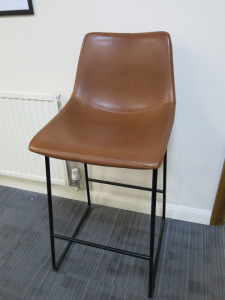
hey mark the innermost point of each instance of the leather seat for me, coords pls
(122, 108)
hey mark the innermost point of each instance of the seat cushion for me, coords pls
(122, 108)
(82, 132)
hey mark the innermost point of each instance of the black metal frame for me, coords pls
(152, 264)
(29, 11)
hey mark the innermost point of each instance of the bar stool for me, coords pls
(120, 114)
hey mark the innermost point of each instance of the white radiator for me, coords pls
(22, 115)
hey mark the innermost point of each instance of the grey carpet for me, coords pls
(192, 260)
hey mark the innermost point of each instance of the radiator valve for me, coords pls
(75, 178)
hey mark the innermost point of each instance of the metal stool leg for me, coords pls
(87, 184)
(51, 225)
(164, 186)
(152, 233)
(56, 265)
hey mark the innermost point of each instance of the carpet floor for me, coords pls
(191, 266)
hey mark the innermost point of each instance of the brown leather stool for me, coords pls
(120, 114)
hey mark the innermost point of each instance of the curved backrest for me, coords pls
(125, 71)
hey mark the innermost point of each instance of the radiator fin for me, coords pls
(20, 119)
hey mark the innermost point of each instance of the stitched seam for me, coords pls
(169, 131)
(125, 111)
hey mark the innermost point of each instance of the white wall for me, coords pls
(39, 54)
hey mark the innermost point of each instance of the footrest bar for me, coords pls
(123, 185)
(82, 242)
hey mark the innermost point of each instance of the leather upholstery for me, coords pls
(122, 108)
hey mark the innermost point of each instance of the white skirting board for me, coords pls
(173, 211)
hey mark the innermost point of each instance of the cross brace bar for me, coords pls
(124, 185)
